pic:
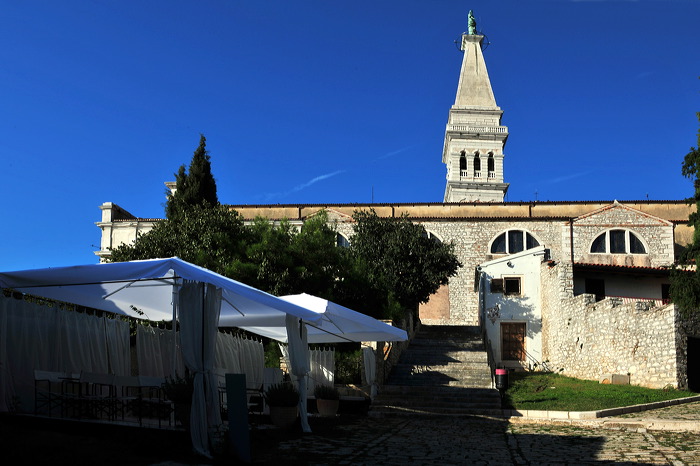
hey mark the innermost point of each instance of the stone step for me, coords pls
(393, 411)
(444, 371)
(453, 343)
(427, 359)
(439, 393)
(475, 383)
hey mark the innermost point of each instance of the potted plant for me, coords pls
(327, 399)
(283, 400)
(179, 391)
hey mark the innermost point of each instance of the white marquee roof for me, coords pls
(144, 289)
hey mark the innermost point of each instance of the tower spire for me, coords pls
(474, 137)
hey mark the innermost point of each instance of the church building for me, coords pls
(580, 287)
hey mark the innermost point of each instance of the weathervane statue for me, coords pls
(472, 23)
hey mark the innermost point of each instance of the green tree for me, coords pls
(281, 260)
(685, 281)
(197, 187)
(399, 260)
(211, 237)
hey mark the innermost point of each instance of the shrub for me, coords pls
(282, 394)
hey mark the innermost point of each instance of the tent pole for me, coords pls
(176, 288)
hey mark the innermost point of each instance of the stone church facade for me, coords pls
(578, 286)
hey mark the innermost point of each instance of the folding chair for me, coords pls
(98, 397)
(48, 393)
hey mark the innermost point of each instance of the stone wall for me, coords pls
(588, 339)
(657, 235)
(472, 241)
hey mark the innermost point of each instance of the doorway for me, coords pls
(596, 286)
(512, 341)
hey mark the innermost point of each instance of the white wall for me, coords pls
(525, 308)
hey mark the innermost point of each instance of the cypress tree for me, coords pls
(197, 187)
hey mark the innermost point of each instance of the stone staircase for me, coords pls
(444, 371)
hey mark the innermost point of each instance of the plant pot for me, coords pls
(283, 416)
(327, 408)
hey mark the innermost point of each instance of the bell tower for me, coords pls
(474, 137)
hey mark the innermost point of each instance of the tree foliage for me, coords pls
(283, 260)
(400, 258)
(685, 281)
(211, 237)
(194, 188)
(391, 266)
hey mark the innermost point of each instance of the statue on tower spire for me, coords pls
(472, 23)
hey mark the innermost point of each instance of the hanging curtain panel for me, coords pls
(322, 368)
(154, 352)
(40, 337)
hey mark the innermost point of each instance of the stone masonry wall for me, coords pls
(657, 235)
(588, 339)
(472, 241)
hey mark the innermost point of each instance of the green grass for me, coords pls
(548, 391)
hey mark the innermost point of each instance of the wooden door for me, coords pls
(512, 341)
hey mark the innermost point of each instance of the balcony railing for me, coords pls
(478, 129)
(466, 174)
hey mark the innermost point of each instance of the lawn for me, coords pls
(549, 391)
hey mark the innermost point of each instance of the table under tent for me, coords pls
(197, 299)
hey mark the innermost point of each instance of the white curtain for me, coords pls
(154, 350)
(322, 368)
(241, 355)
(299, 362)
(199, 305)
(40, 337)
(252, 361)
(370, 361)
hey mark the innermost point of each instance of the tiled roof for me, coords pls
(621, 268)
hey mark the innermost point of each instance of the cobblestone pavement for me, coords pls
(473, 440)
(682, 412)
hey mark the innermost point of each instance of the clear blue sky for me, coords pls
(319, 101)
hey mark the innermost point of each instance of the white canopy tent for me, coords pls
(145, 290)
(337, 324)
(151, 290)
(165, 289)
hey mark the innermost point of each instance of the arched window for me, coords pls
(512, 241)
(427, 234)
(462, 164)
(341, 241)
(618, 242)
(477, 165)
(491, 162)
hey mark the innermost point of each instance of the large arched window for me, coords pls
(341, 241)
(491, 163)
(512, 241)
(618, 242)
(432, 236)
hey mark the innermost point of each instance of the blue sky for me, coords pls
(320, 101)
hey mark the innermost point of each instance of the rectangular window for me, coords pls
(617, 242)
(496, 285)
(515, 241)
(511, 286)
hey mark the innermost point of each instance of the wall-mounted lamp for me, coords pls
(510, 264)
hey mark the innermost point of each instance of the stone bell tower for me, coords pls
(474, 138)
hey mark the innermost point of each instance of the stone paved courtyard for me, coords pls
(475, 440)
